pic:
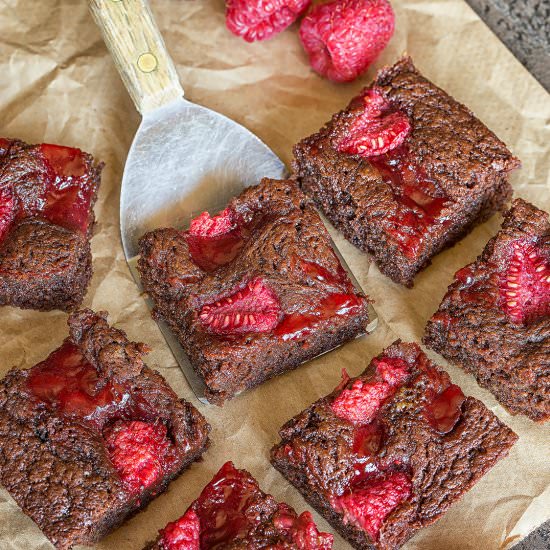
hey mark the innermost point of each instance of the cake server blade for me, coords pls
(184, 158)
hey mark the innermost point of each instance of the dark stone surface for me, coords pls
(537, 540)
(524, 26)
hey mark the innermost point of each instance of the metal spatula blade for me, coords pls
(185, 158)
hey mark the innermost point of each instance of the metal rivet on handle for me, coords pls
(147, 62)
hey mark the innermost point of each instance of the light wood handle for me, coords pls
(138, 50)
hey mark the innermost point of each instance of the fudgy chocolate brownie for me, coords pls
(47, 194)
(232, 512)
(387, 453)
(91, 434)
(404, 171)
(494, 320)
(254, 291)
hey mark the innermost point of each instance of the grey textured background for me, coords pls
(537, 540)
(524, 26)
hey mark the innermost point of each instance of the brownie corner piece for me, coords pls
(233, 512)
(90, 435)
(494, 320)
(253, 291)
(404, 171)
(387, 453)
(47, 194)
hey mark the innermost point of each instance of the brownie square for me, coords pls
(90, 435)
(254, 291)
(494, 320)
(388, 452)
(232, 512)
(404, 171)
(47, 194)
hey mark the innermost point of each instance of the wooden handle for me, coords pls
(138, 50)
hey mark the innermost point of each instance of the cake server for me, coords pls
(184, 158)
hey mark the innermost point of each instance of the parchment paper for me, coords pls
(59, 85)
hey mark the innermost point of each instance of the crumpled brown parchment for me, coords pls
(59, 85)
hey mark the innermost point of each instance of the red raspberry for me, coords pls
(140, 452)
(377, 130)
(392, 370)
(66, 162)
(301, 530)
(182, 534)
(445, 409)
(369, 507)
(206, 226)
(227, 507)
(254, 308)
(261, 19)
(343, 37)
(361, 402)
(525, 284)
(7, 211)
(67, 381)
(68, 193)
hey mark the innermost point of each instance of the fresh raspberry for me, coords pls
(378, 129)
(206, 226)
(261, 19)
(140, 452)
(525, 284)
(445, 409)
(7, 211)
(369, 507)
(343, 37)
(301, 530)
(392, 370)
(182, 534)
(254, 308)
(360, 403)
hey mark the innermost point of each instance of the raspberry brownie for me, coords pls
(494, 320)
(90, 435)
(253, 291)
(388, 452)
(233, 512)
(47, 194)
(404, 171)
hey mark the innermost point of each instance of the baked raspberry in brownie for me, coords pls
(47, 194)
(388, 452)
(232, 512)
(253, 291)
(91, 435)
(494, 320)
(404, 171)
